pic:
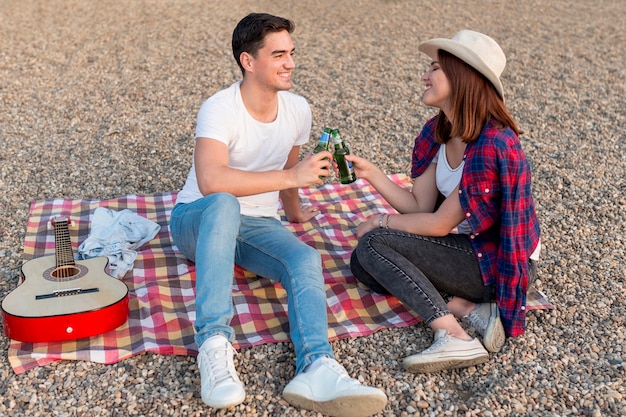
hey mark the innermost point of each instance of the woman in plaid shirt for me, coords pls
(468, 228)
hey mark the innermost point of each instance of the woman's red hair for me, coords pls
(473, 101)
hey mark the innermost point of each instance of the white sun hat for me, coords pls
(475, 49)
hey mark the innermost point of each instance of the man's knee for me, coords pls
(222, 204)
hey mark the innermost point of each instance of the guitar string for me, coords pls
(64, 253)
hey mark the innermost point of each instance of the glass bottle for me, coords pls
(346, 171)
(324, 143)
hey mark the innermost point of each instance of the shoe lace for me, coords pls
(477, 321)
(437, 343)
(343, 374)
(219, 364)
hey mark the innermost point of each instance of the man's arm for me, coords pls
(214, 175)
(294, 211)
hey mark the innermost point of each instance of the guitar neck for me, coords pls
(63, 244)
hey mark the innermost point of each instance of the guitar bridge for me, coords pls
(65, 293)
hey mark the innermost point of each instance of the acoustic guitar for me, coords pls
(63, 299)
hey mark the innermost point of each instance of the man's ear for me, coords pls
(247, 61)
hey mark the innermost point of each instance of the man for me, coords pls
(247, 145)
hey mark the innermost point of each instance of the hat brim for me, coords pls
(431, 48)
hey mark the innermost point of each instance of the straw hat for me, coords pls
(475, 49)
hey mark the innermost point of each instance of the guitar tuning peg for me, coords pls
(70, 222)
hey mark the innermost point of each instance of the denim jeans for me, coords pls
(418, 269)
(212, 233)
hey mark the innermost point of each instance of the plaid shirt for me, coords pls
(495, 195)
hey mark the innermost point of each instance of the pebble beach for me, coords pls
(99, 99)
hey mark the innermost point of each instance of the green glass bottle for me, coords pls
(346, 171)
(324, 143)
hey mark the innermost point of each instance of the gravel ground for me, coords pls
(98, 99)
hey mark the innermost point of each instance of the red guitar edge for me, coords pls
(43, 307)
(65, 327)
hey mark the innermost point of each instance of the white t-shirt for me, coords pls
(252, 145)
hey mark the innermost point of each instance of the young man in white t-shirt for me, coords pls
(246, 157)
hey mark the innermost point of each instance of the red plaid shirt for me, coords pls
(495, 195)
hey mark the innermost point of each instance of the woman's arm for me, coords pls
(421, 199)
(416, 207)
(439, 223)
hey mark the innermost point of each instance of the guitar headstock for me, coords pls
(60, 220)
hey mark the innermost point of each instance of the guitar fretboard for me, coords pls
(63, 248)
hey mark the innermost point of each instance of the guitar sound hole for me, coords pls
(65, 273)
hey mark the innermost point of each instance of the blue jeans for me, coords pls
(212, 233)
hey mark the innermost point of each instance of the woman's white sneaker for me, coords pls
(485, 318)
(325, 387)
(220, 385)
(447, 352)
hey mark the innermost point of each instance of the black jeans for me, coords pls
(418, 269)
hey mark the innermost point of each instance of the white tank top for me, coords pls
(448, 179)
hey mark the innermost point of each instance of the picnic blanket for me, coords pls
(161, 284)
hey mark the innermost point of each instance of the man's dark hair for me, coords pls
(250, 32)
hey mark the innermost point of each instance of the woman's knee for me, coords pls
(355, 265)
(362, 275)
(364, 246)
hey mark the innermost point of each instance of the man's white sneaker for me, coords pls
(220, 385)
(447, 352)
(325, 387)
(485, 318)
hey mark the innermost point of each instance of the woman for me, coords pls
(468, 228)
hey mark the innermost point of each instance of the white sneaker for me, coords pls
(325, 387)
(220, 385)
(485, 318)
(447, 352)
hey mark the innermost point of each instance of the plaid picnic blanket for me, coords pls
(161, 284)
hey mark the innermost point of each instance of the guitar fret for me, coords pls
(63, 250)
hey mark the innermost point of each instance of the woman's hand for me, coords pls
(363, 168)
(373, 222)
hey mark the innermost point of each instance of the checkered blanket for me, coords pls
(161, 284)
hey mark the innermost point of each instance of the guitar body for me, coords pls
(58, 302)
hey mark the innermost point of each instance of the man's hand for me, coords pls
(305, 214)
(312, 169)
